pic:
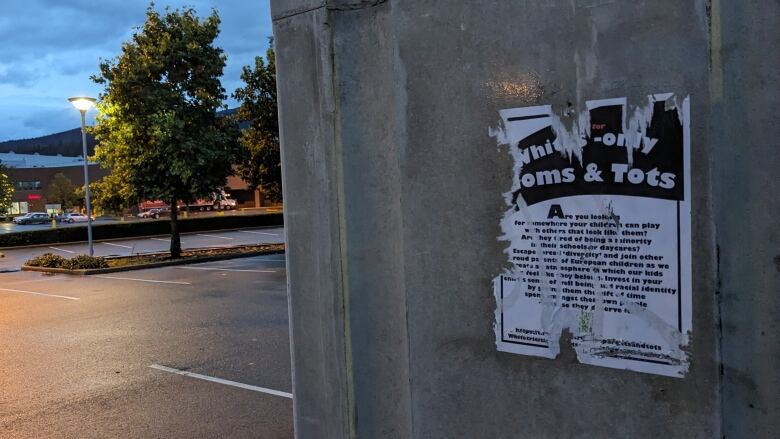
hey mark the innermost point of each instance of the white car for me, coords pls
(74, 218)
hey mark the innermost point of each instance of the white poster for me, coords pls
(598, 227)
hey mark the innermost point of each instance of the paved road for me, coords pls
(14, 258)
(76, 353)
(10, 227)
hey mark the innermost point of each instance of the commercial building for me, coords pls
(31, 175)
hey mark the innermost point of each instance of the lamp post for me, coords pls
(83, 104)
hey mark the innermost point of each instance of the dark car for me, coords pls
(33, 218)
(155, 213)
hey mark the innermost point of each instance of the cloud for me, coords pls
(51, 47)
(23, 121)
(20, 76)
(42, 120)
(35, 28)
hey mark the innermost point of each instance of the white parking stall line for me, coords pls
(30, 281)
(215, 236)
(116, 245)
(222, 381)
(143, 280)
(160, 239)
(39, 294)
(225, 269)
(259, 233)
(62, 250)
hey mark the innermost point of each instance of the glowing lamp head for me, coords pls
(82, 103)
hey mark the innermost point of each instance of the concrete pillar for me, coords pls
(745, 74)
(394, 193)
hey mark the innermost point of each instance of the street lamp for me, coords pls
(83, 104)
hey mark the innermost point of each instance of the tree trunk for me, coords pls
(175, 239)
(257, 198)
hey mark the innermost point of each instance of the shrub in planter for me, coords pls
(138, 228)
(81, 262)
(84, 262)
(48, 260)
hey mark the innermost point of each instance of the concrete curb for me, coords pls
(184, 261)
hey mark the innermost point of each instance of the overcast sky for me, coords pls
(49, 49)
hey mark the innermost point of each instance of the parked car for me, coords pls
(33, 218)
(74, 218)
(155, 213)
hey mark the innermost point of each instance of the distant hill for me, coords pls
(66, 143)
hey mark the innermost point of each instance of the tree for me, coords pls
(107, 195)
(158, 127)
(6, 191)
(259, 158)
(62, 191)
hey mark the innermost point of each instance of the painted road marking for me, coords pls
(160, 239)
(222, 381)
(224, 269)
(61, 250)
(116, 245)
(27, 281)
(143, 280)
(215, 236)
(40, 294)
(259, 233)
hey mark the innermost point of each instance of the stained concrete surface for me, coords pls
(390, 172)
(746, 162)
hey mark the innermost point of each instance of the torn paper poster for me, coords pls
(599, 232)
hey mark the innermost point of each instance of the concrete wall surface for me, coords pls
(746, 162)
(394, 192)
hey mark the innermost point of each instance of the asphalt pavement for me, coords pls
(10, 227)
(193, 351)
(15, 257)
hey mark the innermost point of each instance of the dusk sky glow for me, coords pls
(51, 47)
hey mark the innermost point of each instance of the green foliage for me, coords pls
(259, 158)
(62, 191)
(158, 128)
(6, 191)
(48, 260)
(108, 195)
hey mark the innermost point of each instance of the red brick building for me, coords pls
(31, 175)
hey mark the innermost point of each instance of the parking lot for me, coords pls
(10, 227)
(199, 350)
(15, 257)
